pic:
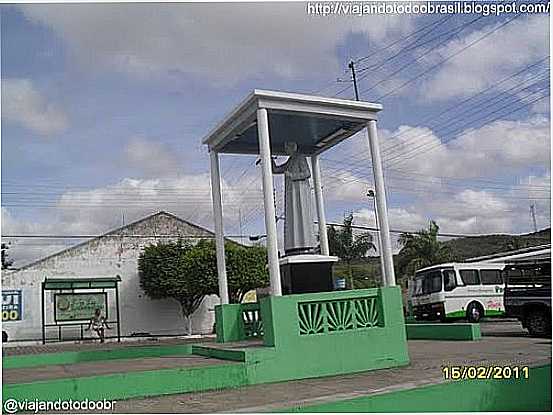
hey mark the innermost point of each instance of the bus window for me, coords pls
(469, 276)
(428, 282)
(417, 289)
(449, 280)
(490, 277)
(433, 282)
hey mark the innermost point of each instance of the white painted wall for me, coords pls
(107, 256)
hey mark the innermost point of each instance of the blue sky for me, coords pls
(104, 107)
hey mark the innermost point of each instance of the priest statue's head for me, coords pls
(291, 147)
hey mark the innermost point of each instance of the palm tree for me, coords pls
(422, 249)
(347, 246)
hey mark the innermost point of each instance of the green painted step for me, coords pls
(443, 331)
(129, 384)
(218, 353)
(65, 358)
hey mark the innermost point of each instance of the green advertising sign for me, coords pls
(80, 306)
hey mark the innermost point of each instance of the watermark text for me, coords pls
(483, 8)
(12, 406)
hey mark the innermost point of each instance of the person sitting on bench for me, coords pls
(98, 324)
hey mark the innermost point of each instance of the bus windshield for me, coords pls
(428, 282)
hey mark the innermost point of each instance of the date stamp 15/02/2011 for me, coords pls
(485, 372)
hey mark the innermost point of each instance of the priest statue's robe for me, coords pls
(299, 237)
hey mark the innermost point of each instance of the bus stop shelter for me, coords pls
(74, 300)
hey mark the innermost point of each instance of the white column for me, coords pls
(321, 218)
(219, 234)
(379, 250)
(268, 200)
(381, 209)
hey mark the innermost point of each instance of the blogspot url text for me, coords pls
(424, 7)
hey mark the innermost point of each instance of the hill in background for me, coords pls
(366, 272)
(475, 246)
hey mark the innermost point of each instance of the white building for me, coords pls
(114, 253)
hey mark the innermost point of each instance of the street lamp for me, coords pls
(372, 195)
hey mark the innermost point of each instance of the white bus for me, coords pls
(458, 290)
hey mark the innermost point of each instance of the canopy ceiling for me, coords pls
(314, 123)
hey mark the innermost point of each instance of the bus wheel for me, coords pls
(474, 313)
(537, 323)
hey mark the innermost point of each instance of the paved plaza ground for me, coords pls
(12, 349)
(504, 342)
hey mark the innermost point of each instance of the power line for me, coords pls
(54, 236)
(448, 58)
(409, 176)
(358, 60)
(454, 33)
(424, 146)
(448, 235)
(457, 105)
(412, 153)
(474, 95)
(432, 185)
(421, 190)
(372, 55)
(473, 110)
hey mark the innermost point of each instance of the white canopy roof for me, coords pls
(315, 123)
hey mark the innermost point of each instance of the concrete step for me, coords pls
(234, 351)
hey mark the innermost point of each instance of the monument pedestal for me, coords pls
(301, 274)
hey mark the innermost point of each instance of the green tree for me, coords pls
(187, 273)
(6, 263)
(246, 270)
(177, 271)
(422, 249)
(246, 266)
(348, 246)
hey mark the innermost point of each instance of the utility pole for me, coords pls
(354, 79)
(533, 215)
(240, 224)
(372, 195)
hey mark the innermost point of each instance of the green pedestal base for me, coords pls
(314, 335)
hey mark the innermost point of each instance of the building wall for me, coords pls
(108, 256)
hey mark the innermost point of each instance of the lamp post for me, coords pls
(371, 195)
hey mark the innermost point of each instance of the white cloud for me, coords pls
(512, 47)
(223, 42)
(95, 211)
(188, 196)
(467, 211)
(24, 250)
(152, 157)
(23, 104)
(399, 218)
(343, 186)
(503, 146)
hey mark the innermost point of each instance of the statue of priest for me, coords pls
(299, 237)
